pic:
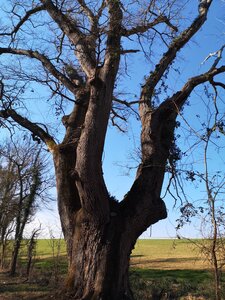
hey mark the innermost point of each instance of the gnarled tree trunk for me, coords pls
(101, 232)
(99, 246)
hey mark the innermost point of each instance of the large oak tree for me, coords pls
(75, 48)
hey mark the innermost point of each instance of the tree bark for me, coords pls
(99, 250)
(3, 251)
(100, 232)
(100, 260)
(15, 254)
(100, 241)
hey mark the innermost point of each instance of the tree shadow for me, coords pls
(171, 260)
(136, 255)
(192, 276)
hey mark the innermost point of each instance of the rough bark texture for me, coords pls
(99, 231)
(100, 244)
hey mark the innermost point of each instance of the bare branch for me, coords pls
(171, 53)
(166, 21)
(28, 14)
(45, 62)
(114, 123)
(216, 83)
(84, 50)
(145, 27)
(100, 11)
(32, 127)
(122, 52)
(218, 54)
(128, 105)
(87, 10)
(195, 81)
(179, 98)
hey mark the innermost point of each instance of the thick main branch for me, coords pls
(32, 127)
(142, 28)
(83, 50)
(176, 45)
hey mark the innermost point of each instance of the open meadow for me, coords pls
(160, 269)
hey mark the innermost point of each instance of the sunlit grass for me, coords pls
(50, 247)
(147, 254)
(167, 255)
(174, 267)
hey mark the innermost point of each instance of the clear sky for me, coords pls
(120, 148)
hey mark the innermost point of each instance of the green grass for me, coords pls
(167, 254)
(192, 276)
(50, 254)
(155, 249)
(174, 267)
(151, 260)
(49, 247)
(148, 257)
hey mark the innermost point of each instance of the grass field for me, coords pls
(155, 254)
(167, 255)
(174, 267)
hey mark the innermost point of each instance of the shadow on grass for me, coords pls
(22, 287)
(50, 263)
(136, 255)
(192, 276)
(46, 276)
(171, 260)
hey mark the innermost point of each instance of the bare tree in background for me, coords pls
(7, 206)
(215, 189)
(209, 180)
(75, 49)
(31, 182)
(31, 250)
(213, 247)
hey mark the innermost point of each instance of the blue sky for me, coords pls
(120, 147)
